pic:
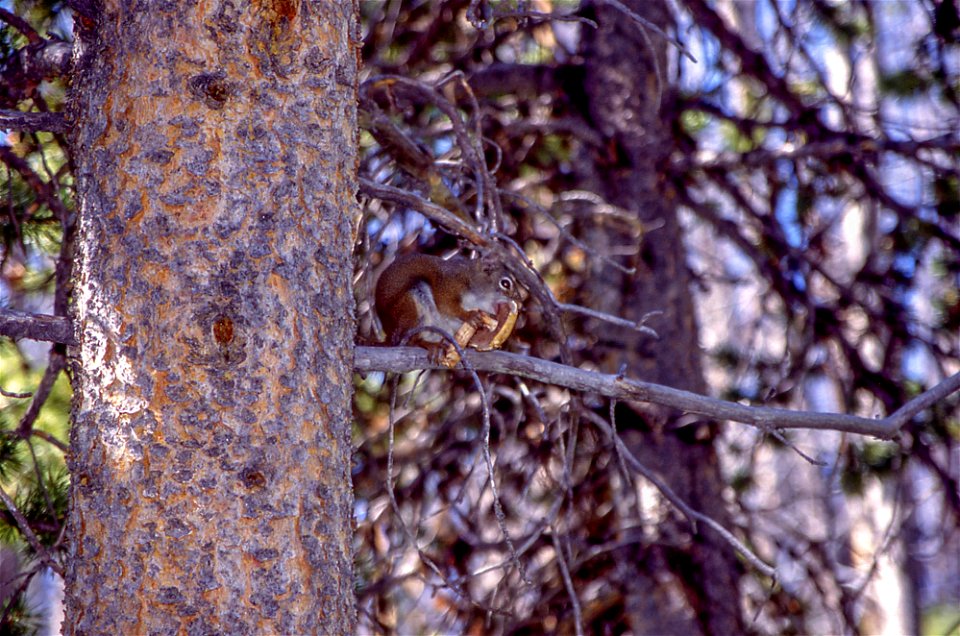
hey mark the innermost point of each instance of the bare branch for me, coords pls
(434, 212)
(401, 360)
(43, 327)
(20, 25)
(780, 437)
(751, 62)
(408, 533)
(619, 6)
(15, 395)
(538, 16)
(902, 416)
(468, 142)
(50, 439)
(52, 59)
(568, 584)
(530, 204)
(19, 120)
(693, 516)
(639, 325)
(57, 361)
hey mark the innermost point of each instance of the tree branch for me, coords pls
(17, 324)
(404, 359)
(44, 189)
(28, 533)
(20, 25)
(692, 515)
(650, 25)
(445, 218)
(56, 364)
(51, 59)
(19, 120)
(751, 62)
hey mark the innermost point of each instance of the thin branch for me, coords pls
(408, 534)
(41, 483)
(603, 208)
(487, 457)
(15, 395)
(469, 144)
(650, 25)
(783, 440)
(751, 62)
(44, 190)
(568, 584)
(692, 515)
(390, 489)
(50, 439)
(28, 533)
(57, 361)
(657, 73)
(538, 16)
(902, 416)
(590, 251)
(432, 211)
(401, 360)
(20, 25)
(410, 156)
(614, 320)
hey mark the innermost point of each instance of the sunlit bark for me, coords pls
(215, 148)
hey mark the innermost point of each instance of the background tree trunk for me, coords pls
(215, 148)
(623, 102)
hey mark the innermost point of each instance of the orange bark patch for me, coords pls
(277, 9)
(223, 330)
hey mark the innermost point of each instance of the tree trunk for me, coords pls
(215, 149)
(622, 101)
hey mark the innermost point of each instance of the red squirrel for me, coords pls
(420, 290)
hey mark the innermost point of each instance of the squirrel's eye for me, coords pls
(506, 284)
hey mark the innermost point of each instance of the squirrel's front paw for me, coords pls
(442, 353)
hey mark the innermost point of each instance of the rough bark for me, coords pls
(215, 151)
(622, 102)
